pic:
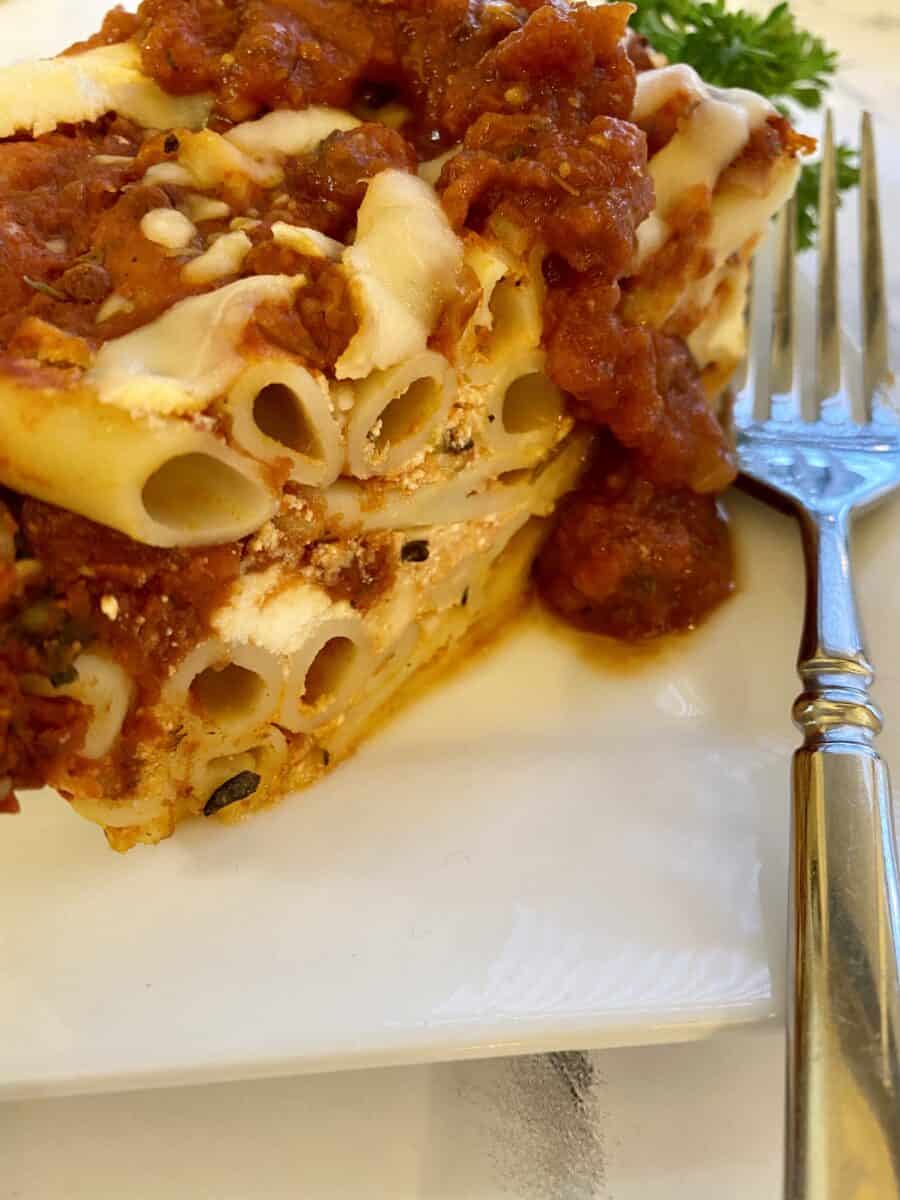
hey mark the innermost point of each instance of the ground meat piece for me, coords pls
(632, 560)
(583, 193)
(606, 368)
(52, 193)
(449, 61)
(86, 281)
(327, 187)
(182, 41)
(141, 268)
(35, 732)
(163, 597)
(254, 54)
(688, 446)
(639, 51)
(320, 323)
(295, 53)
(642, 385)
(567, 64)
(8, 580)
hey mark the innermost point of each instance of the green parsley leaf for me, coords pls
(847, 163)
(767, 54)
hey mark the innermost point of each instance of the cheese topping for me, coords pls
(169, 172)
(283, 134)
(112, 306)
(224, 257)
(306, 241)
(204, 208)
(402, 268)
(707, 141)
(35, 97)
(211, 158)
(167, 227)
(189, 355)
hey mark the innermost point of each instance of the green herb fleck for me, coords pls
(45, 289)
(734, 48)
(239, 787)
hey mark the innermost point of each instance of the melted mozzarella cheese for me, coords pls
(167, 227)
(281, 134)
(401, 269)
(211, 159)
(708, 139)
(224, 257)
(169, 172)
(112, 306)
(204, 208)
(306, 241)
(35, 97)
(189, 355)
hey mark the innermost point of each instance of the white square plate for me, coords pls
(559, 847)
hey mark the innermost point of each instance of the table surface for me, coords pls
(688, 1122)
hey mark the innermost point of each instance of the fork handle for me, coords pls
(842, 1133)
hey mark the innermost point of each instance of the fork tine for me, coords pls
(781, 362)
(828, 315)
(872, 299)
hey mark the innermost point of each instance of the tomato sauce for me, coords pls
(633, 559)
(163, 597)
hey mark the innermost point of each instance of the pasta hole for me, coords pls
(280, 416)
(195, 493)
(227, 693)
(328, 670)
(531, 403)
(505, 307)
(407, 413)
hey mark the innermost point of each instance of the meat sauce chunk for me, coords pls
(634, 560)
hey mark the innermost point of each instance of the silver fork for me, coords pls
(842, 1120)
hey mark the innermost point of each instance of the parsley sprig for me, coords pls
(769, 54)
